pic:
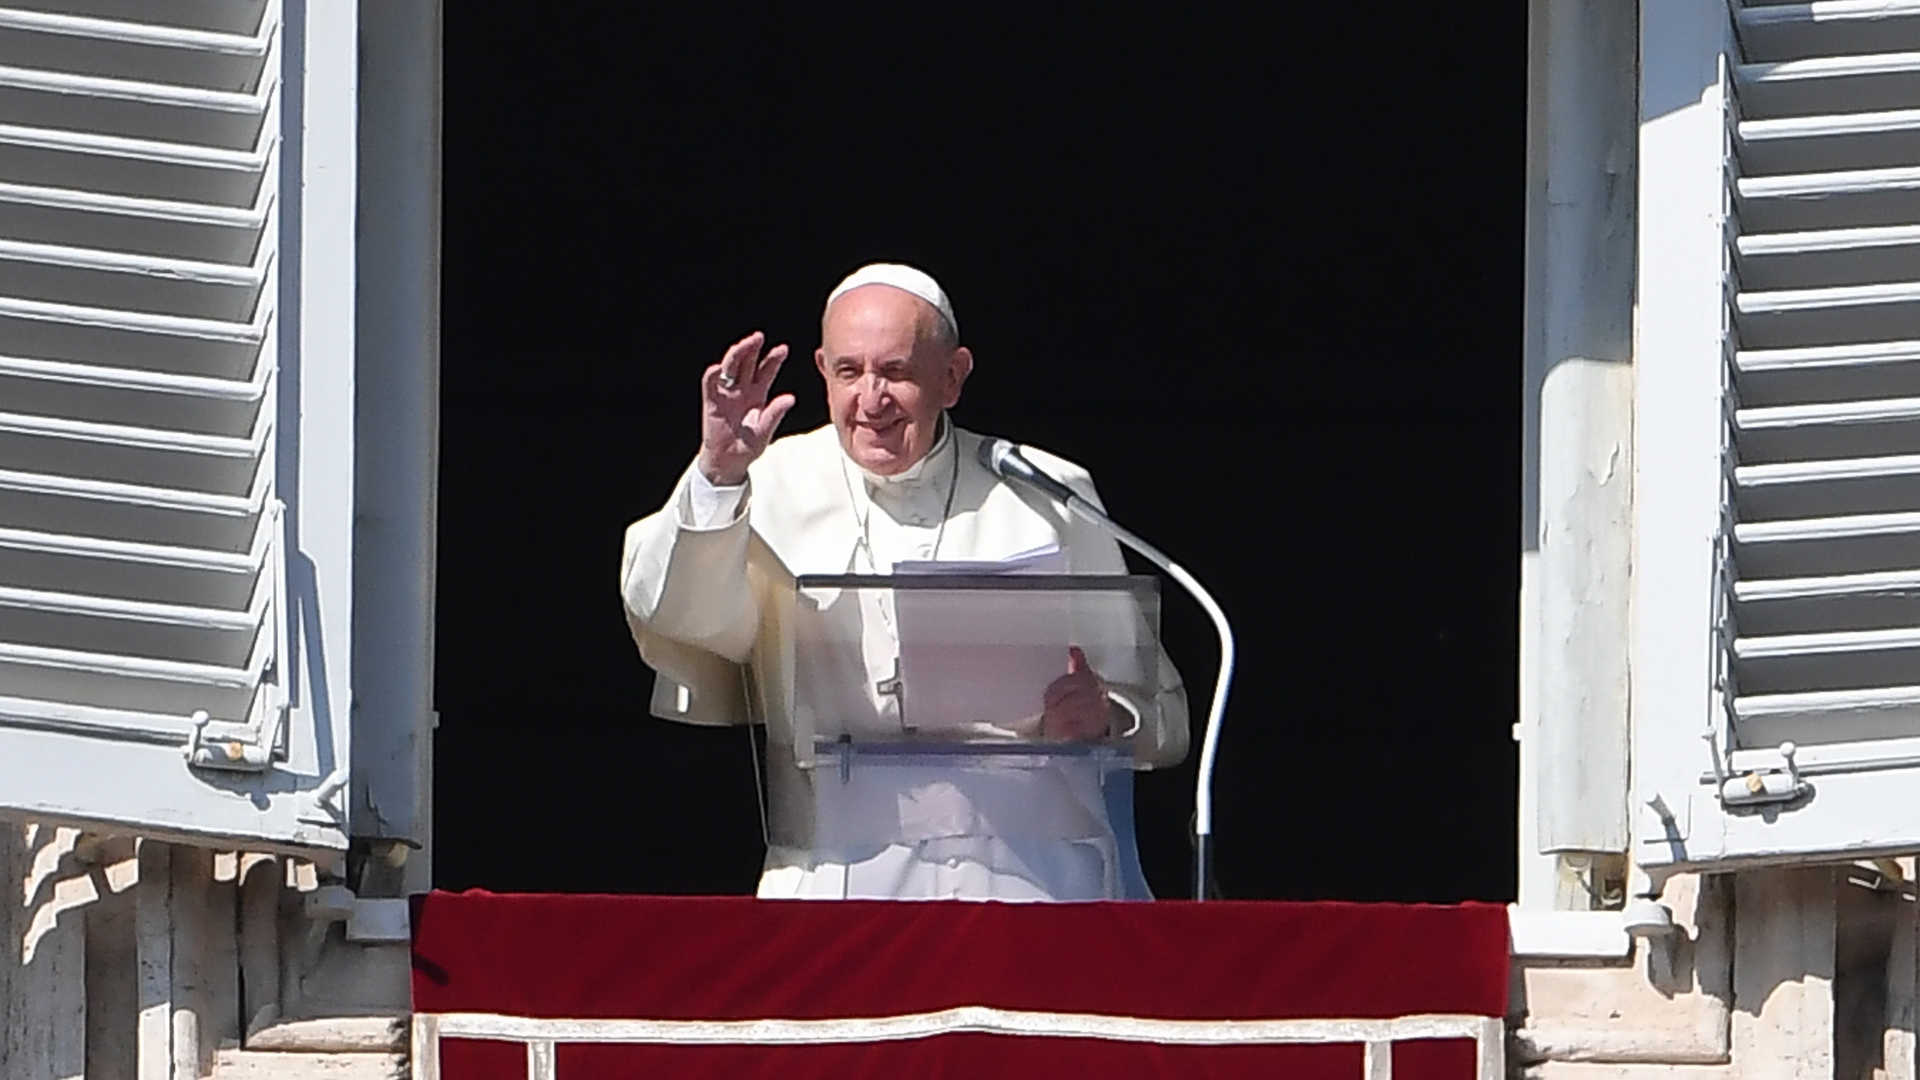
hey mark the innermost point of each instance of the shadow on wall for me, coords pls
(52, 881)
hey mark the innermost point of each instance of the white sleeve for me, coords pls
(709, 504)
(687, 584)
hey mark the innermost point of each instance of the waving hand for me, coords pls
(736, 419)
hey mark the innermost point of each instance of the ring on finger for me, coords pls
(728, 382)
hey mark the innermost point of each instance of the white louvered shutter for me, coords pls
(1777, 707)
(147, 674)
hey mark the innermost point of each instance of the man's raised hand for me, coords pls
(736, 419)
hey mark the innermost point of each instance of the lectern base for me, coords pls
(909, 821)
(950, 868)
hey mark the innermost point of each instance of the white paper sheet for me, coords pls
(1046, 559)
(980, 658)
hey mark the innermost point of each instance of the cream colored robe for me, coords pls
(706, 607)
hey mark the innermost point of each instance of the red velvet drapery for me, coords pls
(669, 958)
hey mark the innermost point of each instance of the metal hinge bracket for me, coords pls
(1757, 787)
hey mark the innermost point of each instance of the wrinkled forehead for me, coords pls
(875, 321)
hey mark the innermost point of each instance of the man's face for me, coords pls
(887, 377)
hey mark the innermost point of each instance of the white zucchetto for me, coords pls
(905, 278)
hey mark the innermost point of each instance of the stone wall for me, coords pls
(1775, 974)
(130, 959)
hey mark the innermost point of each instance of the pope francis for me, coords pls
(707, 582)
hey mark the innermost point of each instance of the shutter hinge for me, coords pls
(254, 746)
(1757, 787)
(243, 754)
(319, 808)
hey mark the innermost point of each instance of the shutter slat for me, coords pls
(1827, 488)
(146, 93)
(1890, 582)
(139, 33)
(1843, 297)
(224, 62)
(1827, 11)
(153, 573)
(124, 725)
(185, 288)
(113, 378)
(129, 610)
(240, 506)
(128, 551)
(138, 437)
(1873, 600)
(248, 217)
(137, 110)
(140, 322)
(1850, 198)
(45, 154)
(1849, 372)
(168, 228)
(1774, 32)
(1828, 257)
(1870, 140)
(142, 667)
(213, 159)
(1896, 701)
(1830, 83)
(1800, 417)
(116, 262)
(1816, 472)
(1826, 356)
(1831, 528)
(1838, 641)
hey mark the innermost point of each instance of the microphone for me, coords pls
(1004, 460)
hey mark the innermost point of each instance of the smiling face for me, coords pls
(889, 373)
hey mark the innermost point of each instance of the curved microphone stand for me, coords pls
(1005, 460)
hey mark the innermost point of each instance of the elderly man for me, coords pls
(889, 480)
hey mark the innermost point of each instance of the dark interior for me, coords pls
(1260, 273)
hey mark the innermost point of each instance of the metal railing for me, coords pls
(541, 1036)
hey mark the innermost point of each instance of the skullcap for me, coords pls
(906, 279)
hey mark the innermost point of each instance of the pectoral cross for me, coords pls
(896, 688)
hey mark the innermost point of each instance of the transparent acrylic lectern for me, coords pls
(914, 709)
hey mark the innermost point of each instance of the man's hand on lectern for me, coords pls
(1077, 706)
(736, 419)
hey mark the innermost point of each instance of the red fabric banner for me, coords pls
(672, 958)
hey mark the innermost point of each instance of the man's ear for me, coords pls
(820, 361)
(958, 368)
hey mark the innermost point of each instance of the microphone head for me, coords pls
(1004, 460)
(993, 454)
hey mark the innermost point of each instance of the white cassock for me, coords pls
(702, 580)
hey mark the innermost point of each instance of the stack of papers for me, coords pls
(980, 657)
